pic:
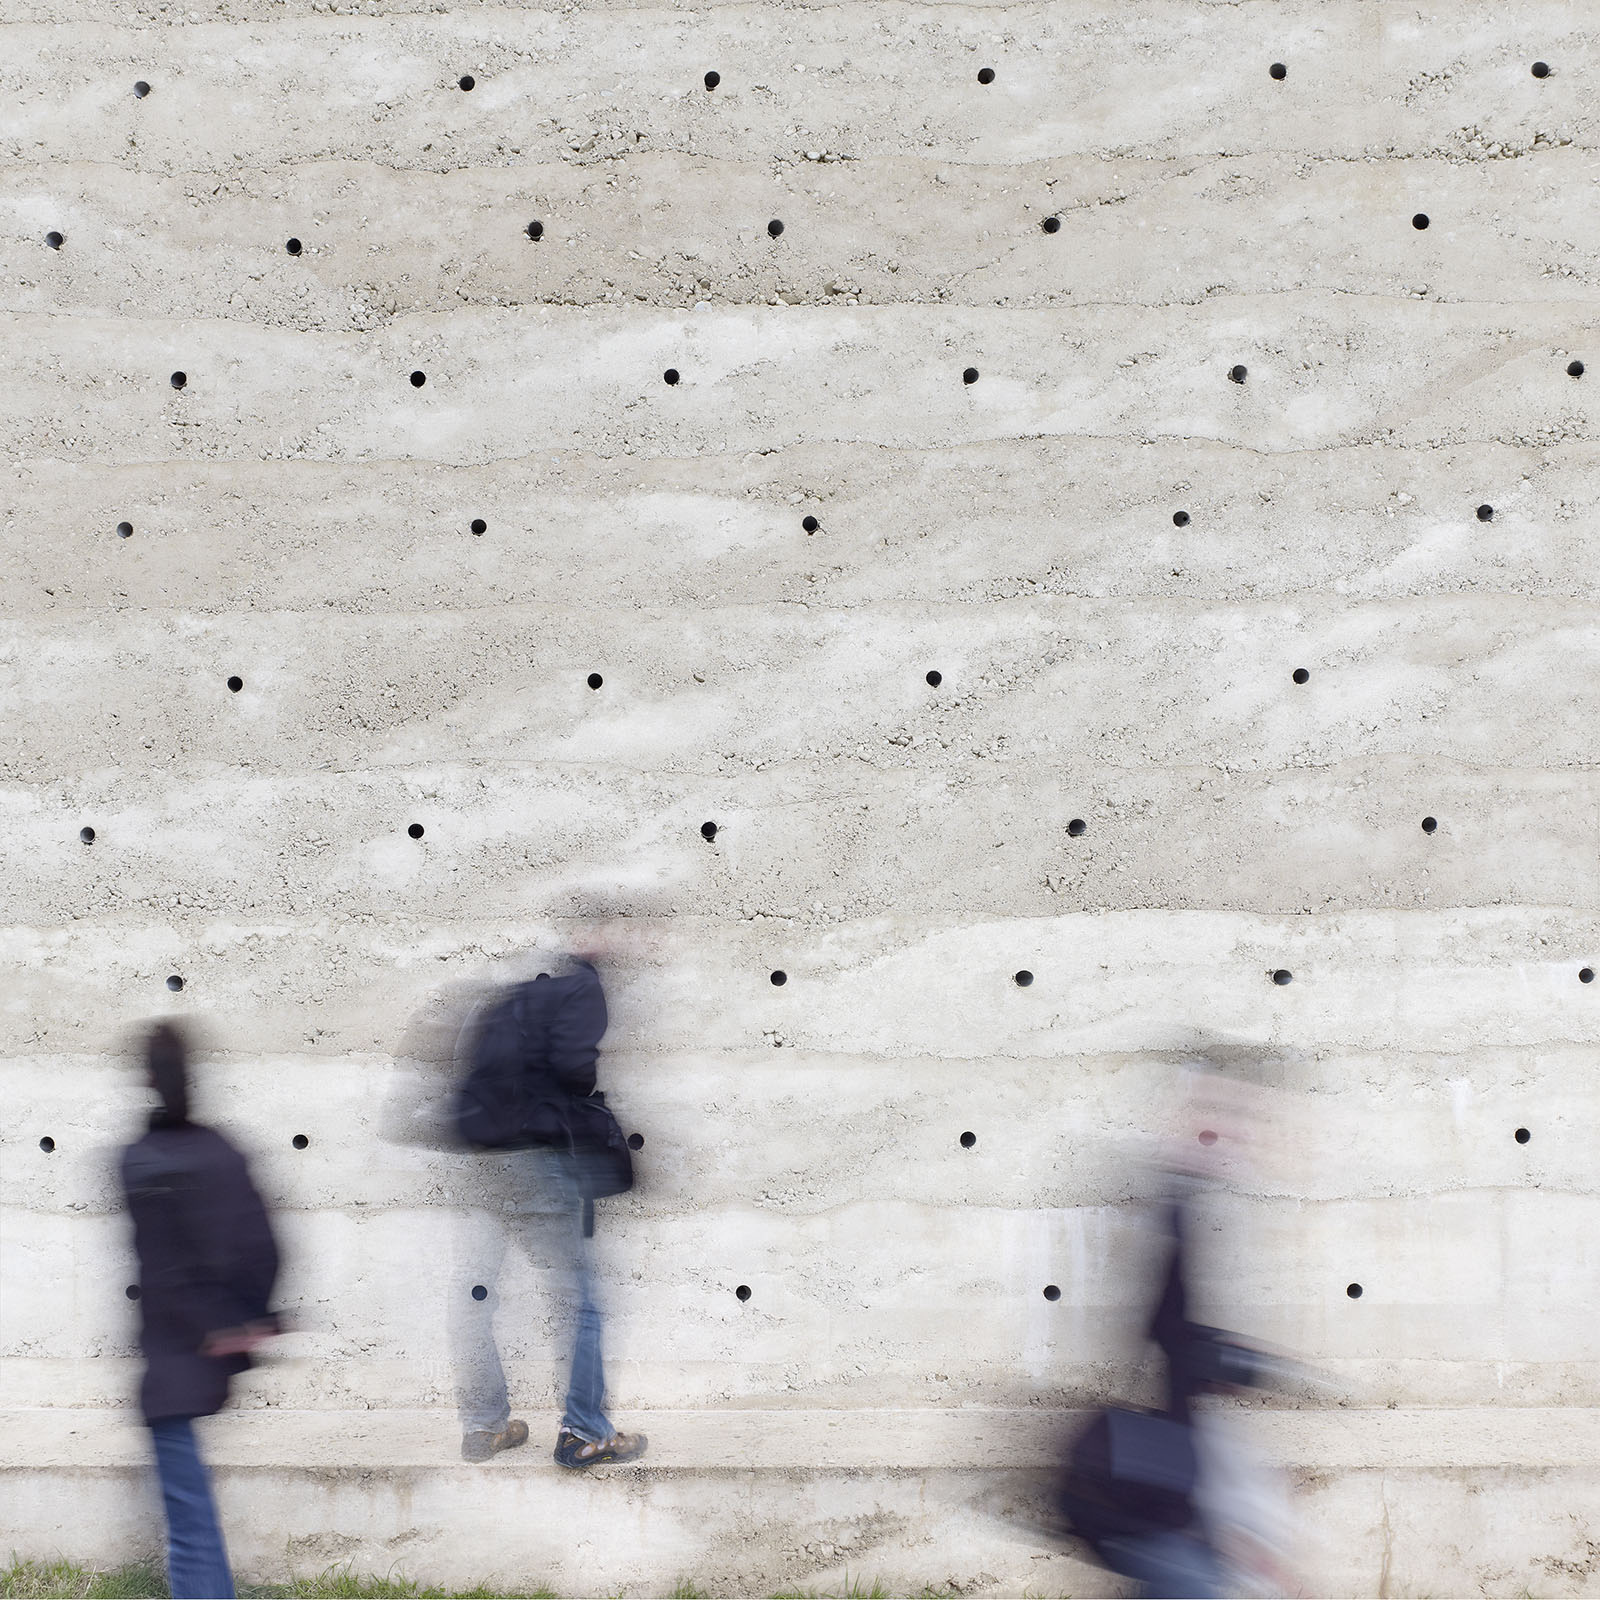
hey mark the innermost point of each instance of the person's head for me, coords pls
(167, 1070)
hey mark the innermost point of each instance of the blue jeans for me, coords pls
(550, 1180)
(197, 1563)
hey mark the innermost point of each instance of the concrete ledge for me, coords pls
(955, 1438)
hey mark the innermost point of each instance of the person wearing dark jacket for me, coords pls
(539, 1042)
(207, 1263)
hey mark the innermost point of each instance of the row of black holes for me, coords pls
(1077, 827)
(1022, 978)
(55, 239)
(1180, 519)
(636, 1140)
(986, 75)
(935, 678)
(969, 375)
(1052, 1292)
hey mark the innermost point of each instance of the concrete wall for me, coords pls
(302, 519)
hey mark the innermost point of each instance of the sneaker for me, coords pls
(482, 1443)
(573, 1451)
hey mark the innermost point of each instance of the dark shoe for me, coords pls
(482, 1443)
(571, 1451)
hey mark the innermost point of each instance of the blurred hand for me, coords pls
(238, 1341)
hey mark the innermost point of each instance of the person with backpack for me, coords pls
(1171, 1498)
(207, 1264)
(530, 1091)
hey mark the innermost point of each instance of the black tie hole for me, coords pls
(467, 81)
(179, 379)
(416, 830)
(54, 239)
(970, 375)
(132, 1291)
(1585, 974)
(1353, 1290)
(935, 679)
(1574, 369)
(743, 1291)
(1051, 224)
(594, 680)
(636, 1141)
(778, 978)
(87, 835)
(968, 1140)
(535, 230)
(47, 1144)
(418, 379)
(670, 375)
(1430, 824)
(774, 228)
(1077, 828)
(1420, 221)
(712, 79)
(708, 830)
(1278, 71)
(1051, 1292)
(235, 685)
(479, 526)
(810, 524)
(1300, 675)
(479, 1292)
(299, 1141)
(1522, 1136)
(1540, 69)
(1238, 374)
(124, 530)
(1022, 979)
(1180, 519)
(141, 89)
(175, 983)
(294, 247)
(1282, 976)
(985, 74)
(1485, 513)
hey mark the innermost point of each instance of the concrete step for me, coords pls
(747, 1502)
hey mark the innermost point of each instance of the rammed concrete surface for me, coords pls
(1397, 498)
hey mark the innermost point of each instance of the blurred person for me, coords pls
(207, 1264)
(1172, 1497)
(531, 1091)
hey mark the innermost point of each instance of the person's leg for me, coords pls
(586, 1390)
(197, 1562)
(481, 1395)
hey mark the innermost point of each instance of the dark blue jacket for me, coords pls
(207, 1261)
(566, 1018)
(534, 1047)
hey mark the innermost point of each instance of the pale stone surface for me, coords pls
(1113, 557)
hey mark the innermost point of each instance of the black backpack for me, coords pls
(508, 1101)
(1129, 1473)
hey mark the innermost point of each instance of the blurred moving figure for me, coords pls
(1170, 1498)
(531, 1090)
(207, 1264)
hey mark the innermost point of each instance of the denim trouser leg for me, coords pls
(586, 1391)
(197, 1563)
(481, 1395)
